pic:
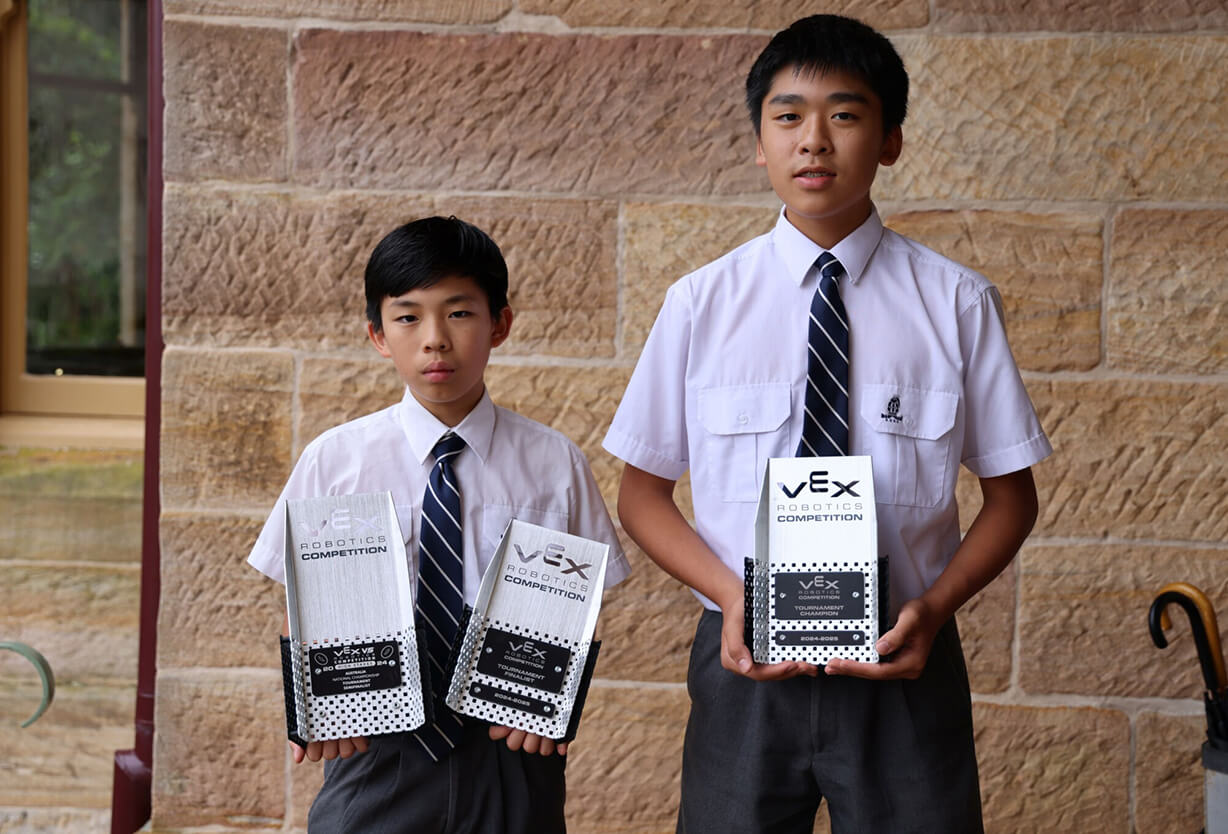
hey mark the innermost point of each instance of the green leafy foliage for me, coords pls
(75, 137)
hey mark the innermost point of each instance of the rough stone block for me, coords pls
(1079, 16)
(1053, 769)
(306, 779)
(54, 821)
(561, 271)
(215, 610)
(83, 618)
(63, 759)
(624, 768)
(1083, 618)
(1142, 459)
(578, 401)
(663, 242)
(219, 748)
(1048, 268)
(1062, 118)
(334, 391)
(287, 267)
(647, 624)
(1168, 773)
(741, 14)
(97, 492)
(225, 93)
(1167, 298)
(225, 428)
(655, 114)
(417, 11)
(987, 631)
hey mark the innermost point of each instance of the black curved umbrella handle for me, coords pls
(1203, 625)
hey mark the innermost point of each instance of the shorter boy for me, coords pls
(830, 335)
(436, 293)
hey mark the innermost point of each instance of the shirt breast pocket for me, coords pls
(738, 421)
(910, 443)
(495, 518)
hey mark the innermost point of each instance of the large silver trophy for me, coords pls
(351, 664)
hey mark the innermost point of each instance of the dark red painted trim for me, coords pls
(132, 788)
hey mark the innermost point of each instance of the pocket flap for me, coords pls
(913, 412)
(742, 409)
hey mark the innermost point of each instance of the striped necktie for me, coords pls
(825, 430)
(441, 597)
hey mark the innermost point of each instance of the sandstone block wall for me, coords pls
(1070, 151)
(70, 548)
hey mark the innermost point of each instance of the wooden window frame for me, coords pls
(20, 392)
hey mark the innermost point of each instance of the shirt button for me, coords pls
(742, 418)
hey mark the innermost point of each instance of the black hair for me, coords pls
(825, 43)
(424, 252)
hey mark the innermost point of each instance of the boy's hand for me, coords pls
(908, 645)
(337, 748)
(736, 657)
(530, 743)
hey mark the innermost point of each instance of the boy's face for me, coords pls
(440, 338)
(821, 140)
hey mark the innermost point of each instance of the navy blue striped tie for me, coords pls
(441, 597)
(825, 430)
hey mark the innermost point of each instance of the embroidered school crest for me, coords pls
(893, 410)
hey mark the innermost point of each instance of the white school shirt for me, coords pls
(720, 387)
(512, 467)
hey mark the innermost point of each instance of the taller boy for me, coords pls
(726, 380)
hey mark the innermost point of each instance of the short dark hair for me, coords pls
(824, 43)
(424, 252)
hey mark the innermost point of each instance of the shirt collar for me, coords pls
(423, 429)
(800, 252)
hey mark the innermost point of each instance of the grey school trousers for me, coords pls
(481, 788)
(888, 756)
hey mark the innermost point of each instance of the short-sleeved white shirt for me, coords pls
(512, 467)
(720, 386)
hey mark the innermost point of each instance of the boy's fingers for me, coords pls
(498, 732)
(329, 749)
(532, 742)
(314, 751)
(780, 671)
(561, 747)
(361, 744)
(739, 660)
(515, 739)
(297, 752)
(547, 746)
(733, 647)
(345, 748)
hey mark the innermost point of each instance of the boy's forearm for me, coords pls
(1006, 517)
(650, 516)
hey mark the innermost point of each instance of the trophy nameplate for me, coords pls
(813, 588)
(526, 652)
(351, 662)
